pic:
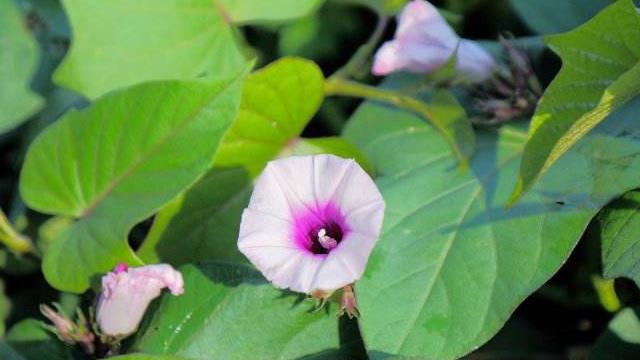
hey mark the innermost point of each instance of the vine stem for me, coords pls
(336, 86)
(361, 56)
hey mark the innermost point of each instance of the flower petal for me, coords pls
(388, 59)
(421, 22)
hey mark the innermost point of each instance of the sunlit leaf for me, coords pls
(277, 103)
(600, 73)
(252, 11)
(117, 43)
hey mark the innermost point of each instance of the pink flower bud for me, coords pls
(126, 293)
(312, 222)
(62, 325)
(424, 42)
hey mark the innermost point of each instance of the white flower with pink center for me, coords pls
(312, 223)
(127, 292)
(424, 42)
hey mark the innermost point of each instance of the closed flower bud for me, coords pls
(127, 292)
(424, 42)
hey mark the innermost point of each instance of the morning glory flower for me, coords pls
(311, 223)
(126, 293)
(424, 42)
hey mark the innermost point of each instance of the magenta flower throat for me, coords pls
(319, 228)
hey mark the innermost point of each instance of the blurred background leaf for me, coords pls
(621, 340)
(18, 57)
(555, 16)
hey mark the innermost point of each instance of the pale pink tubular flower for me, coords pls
(126, 293)
(312, 222)
(424, 42)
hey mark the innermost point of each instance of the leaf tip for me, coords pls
(517, 193)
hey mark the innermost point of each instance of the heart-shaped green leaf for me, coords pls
(115, 163)
(600, 72)
(230, 311)
(453, 263)
(19, 57)
(117, 43)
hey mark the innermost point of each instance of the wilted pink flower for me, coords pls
(126, 293)
(424, 42)
(312, 222)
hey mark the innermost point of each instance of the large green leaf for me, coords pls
(600, 73)
(554, 16)
(18, 56)
(452, 263)
(277, 103)
(251, 11)
(231, 312)
(619, 230)
(116, 163)
(621, 340)
(121, 42)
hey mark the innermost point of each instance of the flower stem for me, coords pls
(353, 67)
(335, 86)
(12, 239)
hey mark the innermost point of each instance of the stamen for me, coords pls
(326, 241)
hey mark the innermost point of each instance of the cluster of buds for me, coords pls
(513, 92)
(69, 331)
(125, 296)
(347, 302)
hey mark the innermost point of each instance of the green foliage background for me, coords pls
(131, 131)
